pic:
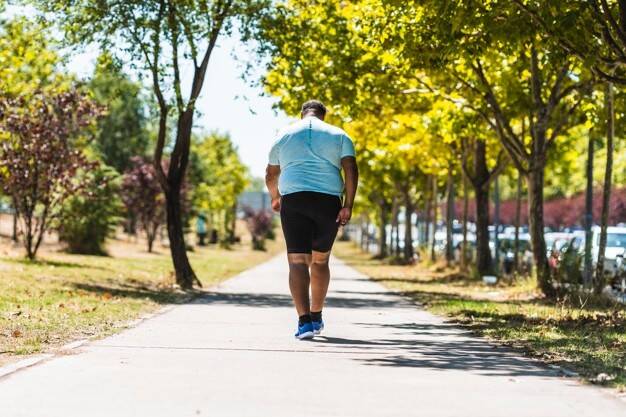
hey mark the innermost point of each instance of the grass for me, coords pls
(590, 340)
(62, 297)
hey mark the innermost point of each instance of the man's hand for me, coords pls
(272, 172)
(351, 175)
(344, 215)
(276, 204)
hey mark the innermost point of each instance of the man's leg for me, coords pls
(320, 278)
(299, 281)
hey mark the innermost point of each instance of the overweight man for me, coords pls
(305, 182)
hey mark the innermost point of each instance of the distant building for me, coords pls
(256, 200)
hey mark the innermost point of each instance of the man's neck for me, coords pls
(306, 116)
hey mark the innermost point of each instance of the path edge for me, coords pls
(72, 347)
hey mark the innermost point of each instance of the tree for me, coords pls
(481, 160)
(28, 64)
(161, 37)
(599, 40)
(44, 163)
(123, 130)
(606, 190)
(86, 219)
(142, 196)
(259, 225)
(218, 177)
(525, 80)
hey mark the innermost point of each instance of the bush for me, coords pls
(143, 198)
(568, 274)
(86, 220)
(259, 223)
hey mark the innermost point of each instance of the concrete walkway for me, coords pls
(232, 353)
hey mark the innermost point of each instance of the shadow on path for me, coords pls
(246, 299)
(452, 353)
(438, 346)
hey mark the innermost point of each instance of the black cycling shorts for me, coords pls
(309, 221)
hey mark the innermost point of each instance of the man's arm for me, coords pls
(351, 178)
(272, 172)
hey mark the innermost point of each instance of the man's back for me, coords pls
(309, 153)
(303, 177)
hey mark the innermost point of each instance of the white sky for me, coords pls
(226, 101)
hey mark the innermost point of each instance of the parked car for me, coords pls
(555, 241)
(619, 280)
(615, 245)
(506, 250)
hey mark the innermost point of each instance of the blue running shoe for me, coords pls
(305, 331)
(318, 326)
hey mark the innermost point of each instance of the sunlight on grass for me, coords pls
(589, 340)
(64, 297)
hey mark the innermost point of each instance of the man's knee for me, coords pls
(298, 260)
(320, 258)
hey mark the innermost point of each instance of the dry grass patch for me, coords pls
(62, 297)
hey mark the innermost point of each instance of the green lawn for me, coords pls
(590, 340)
(63, 297)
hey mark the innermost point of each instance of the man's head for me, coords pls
(314, 108)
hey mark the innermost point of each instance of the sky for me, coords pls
(227, 104)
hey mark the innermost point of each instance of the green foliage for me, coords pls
(29, 62)
(122, 132)
(86, 220)
(569, 271)
(162, 38)
(218, 177)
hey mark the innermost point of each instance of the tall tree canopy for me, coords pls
(123, 131)
(172, 41)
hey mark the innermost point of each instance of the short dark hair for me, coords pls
(314, 106)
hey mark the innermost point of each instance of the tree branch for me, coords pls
(535, 77)
(173, 24)
(612, 22)
(163, 107)
(508, 137)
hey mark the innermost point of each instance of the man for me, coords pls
(304, 180)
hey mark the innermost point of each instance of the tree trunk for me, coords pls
(481, 194)
(433, 254)
(383, 208)
(449, 219)
(483, 254)
(394, 238)
(396, 245)
(151, 232)
(536, 226)
(496, 225)
(587, 274)
(14, 234)
(150, 243)
(427, 210)
(185, 276)
(233, 223)
(606, 190)
(518, 220)
(465, 212)
(408, 227)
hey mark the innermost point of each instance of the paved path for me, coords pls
(232, 354)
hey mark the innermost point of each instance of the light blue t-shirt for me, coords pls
(309, 153)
